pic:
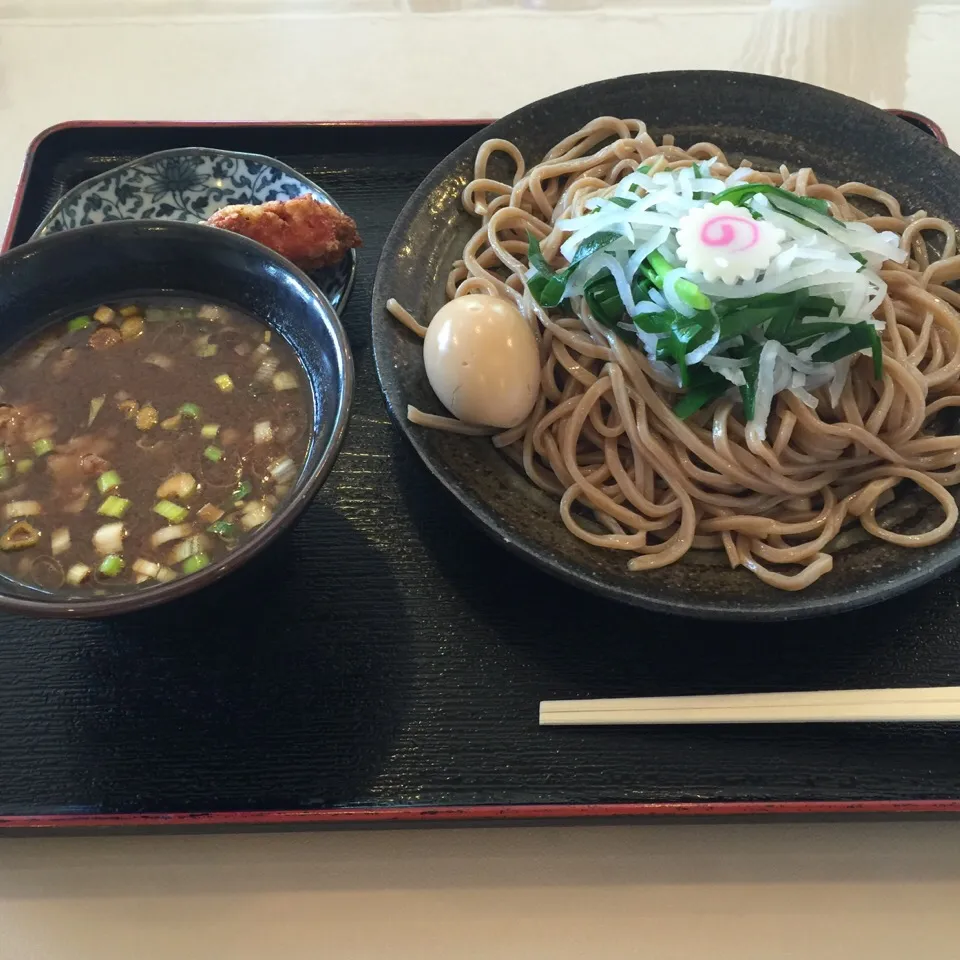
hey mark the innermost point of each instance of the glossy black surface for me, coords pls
(387, 653)
(766, 119)
(96, 264)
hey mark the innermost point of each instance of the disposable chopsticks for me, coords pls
(825, 706)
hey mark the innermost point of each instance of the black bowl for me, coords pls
(770, 120)
(111, 260)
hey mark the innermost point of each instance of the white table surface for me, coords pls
(661, 891)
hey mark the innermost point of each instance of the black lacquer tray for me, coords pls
(385, 660)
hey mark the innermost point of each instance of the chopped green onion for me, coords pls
(60, 541)
(23, 508)
(284, 380)
(171, 512)
(705, 387)
(544, 273)
(128, 408)
(108, 538)
(593, 244)
(748, 389)
(700, 173)
(209, 513)
(740, 322)
(262, 432)
(876, 351)
(160, 360)
(147, 417)
(19, 536)
(24, 466)
(224, 530)
(112, 565)
(131, 328)
(686, 290)
(186, 548)
(859, 336)
(224, 382)
(190, 410)
(147, 569)
(78, 323)
(267, 368)
(164, 535)
(207, 350)
(210, 311)
(114, 507)
(624, 202)
(783, 313)
(602, 298)
(282, 469)
(209, 430)
(243, 490)
(213, 453)
(547, 285)
(255, 514)
(674, 348)
(180, 485)
(77, 574)
(108, 481)
(739, 194)
(43, 446)
(96, 404)
(197, 562)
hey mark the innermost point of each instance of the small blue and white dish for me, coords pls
(190, 184)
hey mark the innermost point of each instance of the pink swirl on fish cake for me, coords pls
(726, 230)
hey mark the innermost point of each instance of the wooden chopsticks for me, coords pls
(825, 706)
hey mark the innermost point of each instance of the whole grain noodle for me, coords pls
(631, 476)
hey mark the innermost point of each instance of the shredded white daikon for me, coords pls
(831, 265)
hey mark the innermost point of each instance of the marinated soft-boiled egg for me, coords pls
(482, 361)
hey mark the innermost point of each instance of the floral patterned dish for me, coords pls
(190, 184)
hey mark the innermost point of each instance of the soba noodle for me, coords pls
(628, 473)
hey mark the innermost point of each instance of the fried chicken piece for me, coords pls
(310, 233)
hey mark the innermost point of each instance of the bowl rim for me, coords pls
(75, 192)
(783, 605)
(306, 488)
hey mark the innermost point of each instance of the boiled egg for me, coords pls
(482, 361)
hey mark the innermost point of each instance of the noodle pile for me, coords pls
(628, 473)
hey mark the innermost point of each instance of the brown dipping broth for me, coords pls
(201, 411)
